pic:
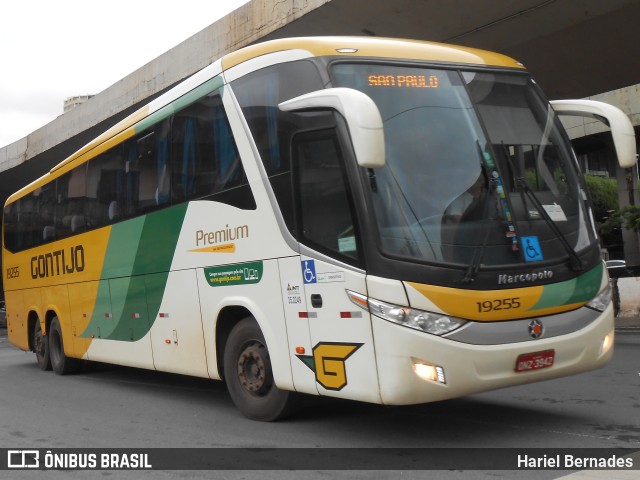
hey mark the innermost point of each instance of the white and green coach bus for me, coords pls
(388, 221)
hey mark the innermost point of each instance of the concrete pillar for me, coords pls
(628, 195)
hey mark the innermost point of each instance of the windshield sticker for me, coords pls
(531, 249)
(347, 244)
(239, 274)
(555, 212)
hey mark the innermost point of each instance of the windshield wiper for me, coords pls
(574, 259)
(478, 251)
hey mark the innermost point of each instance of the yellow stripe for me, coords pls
(489, 305)
(226, 248)
(116, 134)
(373, 47)
(112, 137)
(49, 263)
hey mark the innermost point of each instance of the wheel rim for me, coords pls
(252, 370)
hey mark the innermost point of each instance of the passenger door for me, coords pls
(342, 355)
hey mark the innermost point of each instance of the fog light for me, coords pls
(607, 343)
(427, 371)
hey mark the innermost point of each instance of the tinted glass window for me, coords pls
(205, 159)
(259, 94)
(477, 169)
(326, 213)
(105, 188)
(70, 207)
(189, 155)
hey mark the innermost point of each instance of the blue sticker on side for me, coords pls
(309, 271)
(531, 249)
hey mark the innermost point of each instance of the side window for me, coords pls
(131, 179)
(19, 223)
(45, 206)
(11, 226)
(70, 205)
(190, 155)
(106, 188)
(186, 133)
(27, 221)
(205, 163)
(259, 94)
(146, 171)
(325, 209)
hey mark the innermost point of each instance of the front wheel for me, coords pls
(60, 363)
(41, 347)
(249, 376)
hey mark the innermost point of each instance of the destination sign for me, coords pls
(403, 81)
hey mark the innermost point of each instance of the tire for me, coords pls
(249, 376)
(41, 347)
(60, 363)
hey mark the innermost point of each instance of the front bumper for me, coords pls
(470, 368)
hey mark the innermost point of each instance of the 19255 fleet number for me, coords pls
(498, 304)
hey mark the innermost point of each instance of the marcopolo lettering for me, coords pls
(58, 262)
(524, 277)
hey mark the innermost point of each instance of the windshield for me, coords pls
(471, 159)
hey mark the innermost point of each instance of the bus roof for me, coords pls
(373, 47)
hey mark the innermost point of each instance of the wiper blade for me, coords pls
(478, 251)
(574, 259)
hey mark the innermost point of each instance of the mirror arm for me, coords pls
(621, 127)
(359, 111)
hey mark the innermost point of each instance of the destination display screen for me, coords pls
(403, 81)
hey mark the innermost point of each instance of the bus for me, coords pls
(388, 221)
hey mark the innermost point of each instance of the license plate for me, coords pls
(535, 361)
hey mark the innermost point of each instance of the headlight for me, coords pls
(602, 300)
(433, 323)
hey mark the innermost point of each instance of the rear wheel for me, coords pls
(249, 376)
(41, 347)
(60, 363)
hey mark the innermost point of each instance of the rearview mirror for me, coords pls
(359, 111)
(621, 128)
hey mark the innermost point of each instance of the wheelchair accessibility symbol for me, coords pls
(309, 271)
(531, 249)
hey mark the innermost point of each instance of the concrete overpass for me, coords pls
(574, 48)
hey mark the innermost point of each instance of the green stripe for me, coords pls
(137, 263)
(577, 290)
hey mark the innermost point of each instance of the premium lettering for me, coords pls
(228, 234)
(524, 277)
(58, 262)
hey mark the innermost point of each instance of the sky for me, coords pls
(51, 50)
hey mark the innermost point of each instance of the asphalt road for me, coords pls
(115, 407)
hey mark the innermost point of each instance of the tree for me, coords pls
(604, 196)
(627, 217)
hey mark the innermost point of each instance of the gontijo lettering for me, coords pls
(58, 262)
